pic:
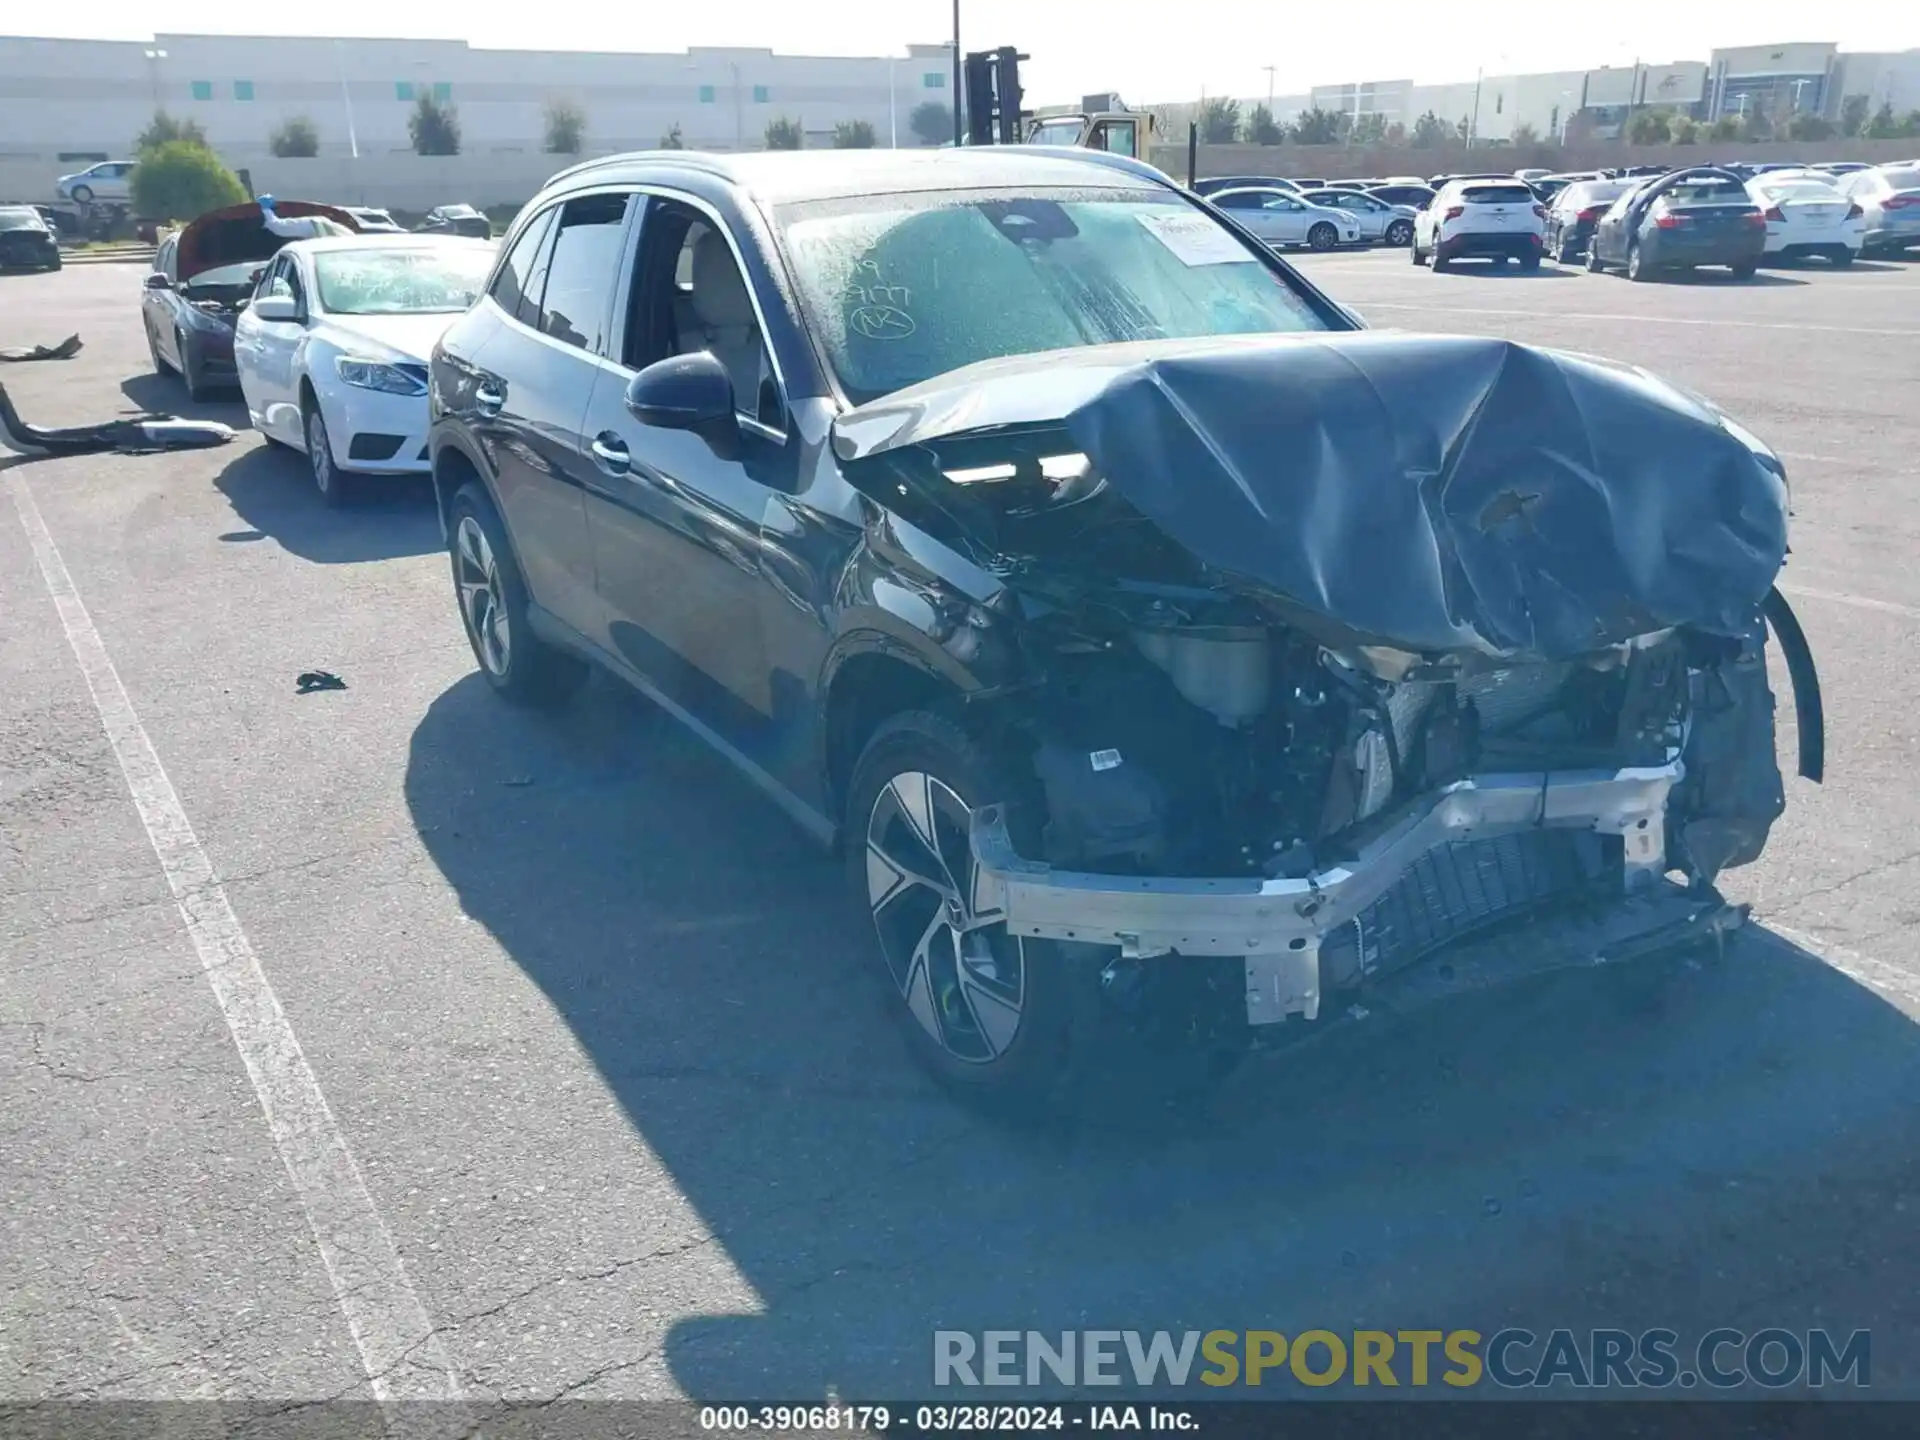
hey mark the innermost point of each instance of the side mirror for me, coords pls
(157, 281)
(688, 392)
(275, 307)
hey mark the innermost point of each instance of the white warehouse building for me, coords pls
(64, 103)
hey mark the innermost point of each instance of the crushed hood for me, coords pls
(1432, 492)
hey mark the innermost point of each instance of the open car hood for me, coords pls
(236, 236)
(1437, 493)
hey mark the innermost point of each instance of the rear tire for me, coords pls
(1841, 259)
(1637, 268)
(492, 598)
(1440, 262)
(1746, 270)
(83, 195)
(1529, 262)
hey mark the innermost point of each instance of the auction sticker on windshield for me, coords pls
(1195, 240)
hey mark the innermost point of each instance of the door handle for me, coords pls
(610, 453)
(487, 400)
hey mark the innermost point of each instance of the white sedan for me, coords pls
(1808, 217)
(332, 349)
(1281, 217)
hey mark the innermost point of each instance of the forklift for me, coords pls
(994, 116)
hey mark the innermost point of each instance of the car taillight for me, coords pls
(1666, 222)
(1759, 221)
(1773, 216)
(1854, 212)
(1454, 212)
(1899, 202)
(1589, 215)
(1541, 211)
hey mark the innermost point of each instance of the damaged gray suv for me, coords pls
(1169, 657)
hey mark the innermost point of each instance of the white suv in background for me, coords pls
(1494, 219)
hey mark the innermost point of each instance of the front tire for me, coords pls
(83, 195)
(1322, 237)
(160, 364)
(492, 596)
(1439, 261)
(1400, 232)
(328, 478)
(988, 1013)
(1595, 265)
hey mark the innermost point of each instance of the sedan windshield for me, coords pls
(418, 281)
(21, 220)
(901, 288)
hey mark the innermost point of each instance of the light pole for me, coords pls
(957, 92)
(346, 99)
(154, 57)
(1269, 70)
(893, 112)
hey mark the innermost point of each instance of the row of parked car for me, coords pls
(1737, 214)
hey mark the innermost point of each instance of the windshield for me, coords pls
(19, 220)
(418, 281)
(1497, 195)
(901, 288)
(1057, 132)
(1800, 190)
(1707, 192)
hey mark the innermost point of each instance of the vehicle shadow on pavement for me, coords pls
(386, 517)
(1736, 1155)
(167, 395)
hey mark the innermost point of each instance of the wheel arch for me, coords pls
(454, 467)
(866, 686)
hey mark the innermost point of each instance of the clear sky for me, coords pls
(1148, 50)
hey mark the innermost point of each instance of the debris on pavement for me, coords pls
(140, 434)
(65, 350)
(311, 681)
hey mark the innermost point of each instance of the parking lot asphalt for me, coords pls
(604, 1107)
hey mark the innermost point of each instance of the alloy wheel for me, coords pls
(482, 600)
(962, 975)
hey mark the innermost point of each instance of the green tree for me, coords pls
(1219, 121)
(163, 129)
(1317, 127)
(1883, 126)
(1262, 129)
(181, 180)
(1853, 114)
(566, 127)
(1727, 127)
(784, 134)
(434, 126)
(673, 140)
(853, 135)
(931, 123)
(1910, 125)
(1684, 130)
(1368, 130)
(1525, 134)
(1429, 131)
(1649, 127)
(1808, 126)
(297, 139)
(1396, 134)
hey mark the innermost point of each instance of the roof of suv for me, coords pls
(789, 175)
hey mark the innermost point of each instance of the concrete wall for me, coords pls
(1337, 162)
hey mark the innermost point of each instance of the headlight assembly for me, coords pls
(378, 375)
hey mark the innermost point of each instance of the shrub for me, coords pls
(181, 180)
(784, 134)
(163, 129)
(1220, 121)
(931, 123)
(434, 126)
(295, 140)
(853, 135)
(672, 140)
(566, 127)
(1263, 129)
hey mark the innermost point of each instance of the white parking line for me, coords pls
(403, 1354)
(1628, 318)
(1859, 602)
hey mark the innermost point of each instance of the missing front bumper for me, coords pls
(1281, 925)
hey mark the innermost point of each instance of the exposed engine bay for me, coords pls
(1197, 711)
